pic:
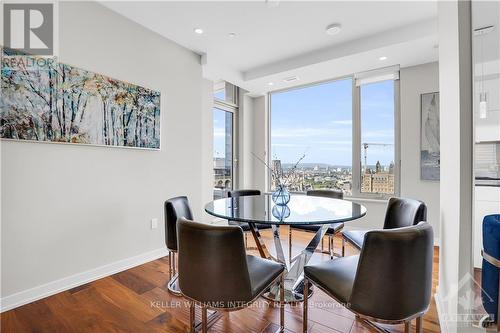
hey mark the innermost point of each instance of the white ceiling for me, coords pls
(273, 42)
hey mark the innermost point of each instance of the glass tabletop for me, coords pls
(301, 209)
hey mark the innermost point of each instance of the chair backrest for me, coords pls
(394, 275)
(334, 194)
(212, 263)
(402, 212)
(242, 193)
(175, 208)
(490, 274)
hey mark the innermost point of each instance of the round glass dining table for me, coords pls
(301, 210)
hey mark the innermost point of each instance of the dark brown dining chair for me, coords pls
(400, 212)
(331, 231)
(216, 273)
(389, 282)
(244, 225)
(174, 208)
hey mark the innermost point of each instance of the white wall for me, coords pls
(245, 142)
(415, 81)
(455, 87)
(71, 208)
(260, 139)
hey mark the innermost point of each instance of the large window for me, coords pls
(347, 131)
(224, 117)
(377, 137)
(223, 152)
(315, 121)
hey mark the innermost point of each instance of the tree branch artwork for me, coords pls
(55, 102)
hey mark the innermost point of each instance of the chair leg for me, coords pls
(204, 326)
(282, 302)
(343, 246)
(305, 305)
(322, 247)
(192, 323)
(290, 244)
(246, 241)
(419, 325)
(330, 245)
(174, 268)
(407, 326)
(170, 265)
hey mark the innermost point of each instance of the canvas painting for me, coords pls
(429, 137)
(54, 102)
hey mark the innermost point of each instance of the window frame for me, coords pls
(356, 137)
(233, 109)
(356, 152)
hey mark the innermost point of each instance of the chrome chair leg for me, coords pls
(290, 244)
(282, 303)
(170, 265)
(330, 245)
(173, 284)
(204, 328)
(305, 305)
(174, 268)
(407, 326)
(322, 247)
(419, 325)
(192, 317)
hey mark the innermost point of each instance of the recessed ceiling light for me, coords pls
(232, 34)
(272, 3)
(198, 31)
(290, 79)
(382, 58)
(270, 83)
(333, 29)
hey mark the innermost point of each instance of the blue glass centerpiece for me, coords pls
(281, 212)
(281, 196)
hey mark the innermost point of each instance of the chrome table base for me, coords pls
(294, 286)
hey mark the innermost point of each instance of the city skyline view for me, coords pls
(317, 121)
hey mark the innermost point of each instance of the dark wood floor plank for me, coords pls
(137, 301)
(126, 299)
(133, 281)
(38, 317)
(10, 323)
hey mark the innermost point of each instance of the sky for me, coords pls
(317, 121)
(219, 118)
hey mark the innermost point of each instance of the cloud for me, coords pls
(379, 134)
(288, 145)
(342, 122)
(299, 132)
(334, 142)
(219, 132)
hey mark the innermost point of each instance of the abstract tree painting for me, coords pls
(42, 100)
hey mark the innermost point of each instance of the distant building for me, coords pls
(222, 174)
(379, 182)
(278, 169)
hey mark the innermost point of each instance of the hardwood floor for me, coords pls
(137, 300)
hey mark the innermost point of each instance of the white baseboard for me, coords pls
(54, 287)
